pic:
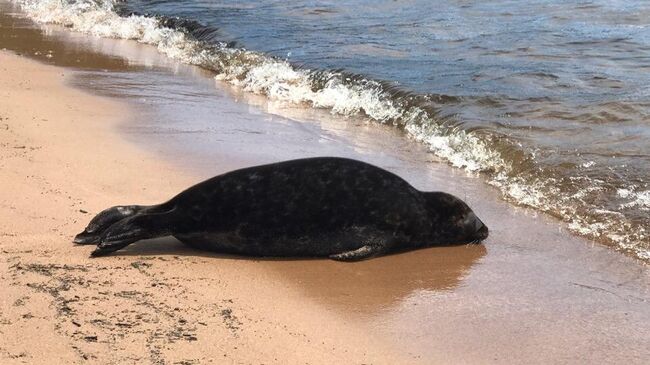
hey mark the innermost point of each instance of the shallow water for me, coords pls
(547, 99)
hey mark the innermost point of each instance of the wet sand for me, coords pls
(531, 294)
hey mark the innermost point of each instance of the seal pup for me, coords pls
(333, 207)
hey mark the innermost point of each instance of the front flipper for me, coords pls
(102, 221)
(129, 230)
(360, 253)
(374, 244)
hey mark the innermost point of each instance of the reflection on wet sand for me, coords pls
(363, 288)
(381, 283)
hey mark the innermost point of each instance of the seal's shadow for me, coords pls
(366, 286)
(170, 246)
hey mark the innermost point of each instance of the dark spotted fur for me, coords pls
(336, 207)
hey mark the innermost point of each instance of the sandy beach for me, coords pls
(61, 161)
(532, 294)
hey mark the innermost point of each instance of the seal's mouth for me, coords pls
(481, 234)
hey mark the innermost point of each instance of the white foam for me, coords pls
(624, 193)
(274, 78)
(639, 200)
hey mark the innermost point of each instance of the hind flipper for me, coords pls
(102, 221)
(130, 230)
(103, 250)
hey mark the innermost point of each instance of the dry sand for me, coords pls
(531, 294)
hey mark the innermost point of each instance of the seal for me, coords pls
(332, 207)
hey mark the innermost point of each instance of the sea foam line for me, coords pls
(277, 79)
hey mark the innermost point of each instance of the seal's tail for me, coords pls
(92, 234)
(134, 228)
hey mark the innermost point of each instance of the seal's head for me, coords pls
(453, 221)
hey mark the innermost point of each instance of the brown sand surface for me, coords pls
(533, 294)
(59, 159)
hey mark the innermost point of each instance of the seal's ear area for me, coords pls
(445, 205)
(92, 234)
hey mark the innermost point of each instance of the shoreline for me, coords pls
(518, 284)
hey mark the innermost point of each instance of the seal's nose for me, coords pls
(482, 231)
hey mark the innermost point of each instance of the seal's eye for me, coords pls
(472, 224)
(468, 219)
